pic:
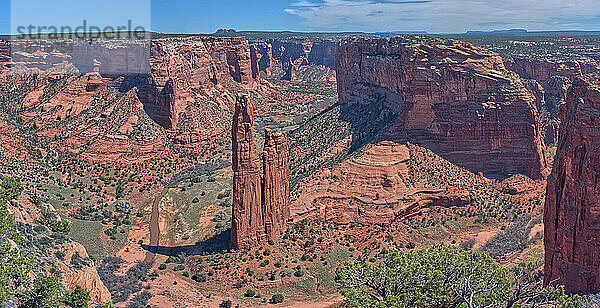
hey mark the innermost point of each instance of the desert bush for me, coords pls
(276, 299)
(140, 300)
(513, 238)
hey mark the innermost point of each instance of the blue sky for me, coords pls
(205, 16)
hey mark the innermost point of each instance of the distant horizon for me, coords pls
(309, 16)
(399, 32)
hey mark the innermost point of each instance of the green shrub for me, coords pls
(276, 299)
(77, 298)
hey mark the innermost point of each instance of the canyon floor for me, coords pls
(150, 221)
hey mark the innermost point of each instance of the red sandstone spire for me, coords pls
(247, 227)
(260, 207)
(276, 183)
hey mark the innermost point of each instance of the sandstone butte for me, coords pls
(572, 209)
(260, 206)
(451, 97)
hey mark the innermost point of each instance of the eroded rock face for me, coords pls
(261, 58)
(572, 209)
(248, 223)
(544, 70)
(265, 53)
(454, 98)
(4, 52)
(260, 206)
(289, 71)
(276, 183)
(232, 55)
(180, 66)
(374, 187)
(554, 78)
(323, 53)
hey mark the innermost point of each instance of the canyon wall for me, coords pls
(185, 85)
(296, 51)
(180, 68)
(554, 78)
(4, 52)
(260, 208)
(451, 97)
(232, 55)
(289, 70)
(261, 57)
(572, 209)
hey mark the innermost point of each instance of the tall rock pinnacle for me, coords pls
(276, 183)
(260, 207)
(247, 226)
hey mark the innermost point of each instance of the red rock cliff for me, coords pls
(260, 207)
(572, 209)
(261, 58)
(544, 70)
(4, 52)
(183, 69)
(454, 98)
(295, 50)
(554, 78)
(231, 54)
(289, 70)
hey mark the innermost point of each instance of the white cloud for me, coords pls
(439, 16)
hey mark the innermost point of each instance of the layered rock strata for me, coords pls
(451, 97)
(373, 187)
(265, 53)
(554, 77)
(572, 209)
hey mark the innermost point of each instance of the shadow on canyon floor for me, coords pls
(215, 244)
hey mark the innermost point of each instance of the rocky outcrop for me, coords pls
(87, 276)
(163, 106)
(276, 183)
(572, 209)
(260, 207)
(299, 51)
(231, 55)
(451, 97)
(261, 58)
(4, 52)
(373, 187)
(289, 70)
